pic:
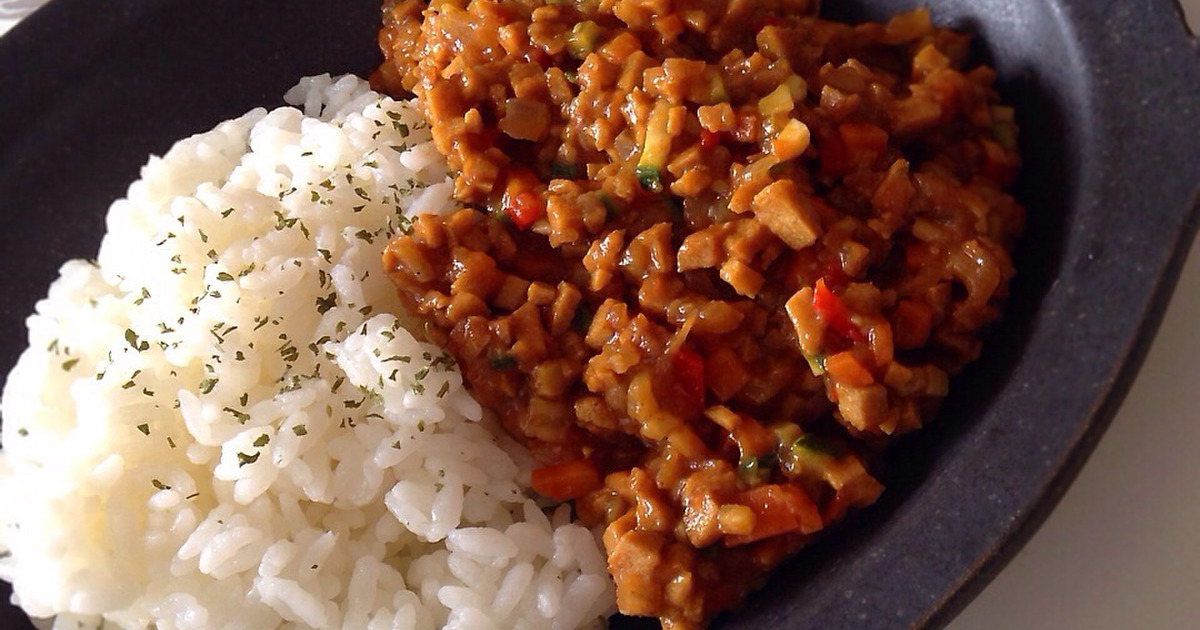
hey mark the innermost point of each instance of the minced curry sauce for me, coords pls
(716, 254)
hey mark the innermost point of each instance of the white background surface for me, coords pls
(1122, 551)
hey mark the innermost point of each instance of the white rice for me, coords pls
(221, 424)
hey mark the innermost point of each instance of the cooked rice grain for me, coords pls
(221, 423)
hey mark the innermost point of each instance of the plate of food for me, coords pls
(531, 314)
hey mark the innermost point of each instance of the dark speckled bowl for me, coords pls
(1108, 99)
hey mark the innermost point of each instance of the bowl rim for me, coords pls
(1162, 20)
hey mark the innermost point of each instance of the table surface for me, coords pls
(1122, 550)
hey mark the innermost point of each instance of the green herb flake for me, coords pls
(144, 428)
(244, 459)
(68, 364)
(503, 362)
(262, 440)
(160, 485)
(132, 338)
(326, 303)
(300, 430)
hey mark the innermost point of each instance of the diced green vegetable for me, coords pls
(582, 319)
(584, 38)
(757, 470)
(648, 177)
(561, 169)
(748, 468)
(656, 148)
(1004, 128)
(777, 102)
(797, 86)
(816, 445)
(716, 88)
(503, 361)
(816, 363)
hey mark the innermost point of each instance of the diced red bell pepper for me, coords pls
(525, 208)
(835, 158)
(709, 139)
(689, 374)
(833, 311)
(998, 165)
(522, 202)
(570, 480)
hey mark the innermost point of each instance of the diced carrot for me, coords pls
(728, 373)
(846, 369)
(864, 142)
(911, 322)
(778, 509)
(752, 437)
(567, 481)
(834, 312)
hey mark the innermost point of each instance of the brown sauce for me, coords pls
(718, 253)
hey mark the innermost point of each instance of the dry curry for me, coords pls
(715, 254)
